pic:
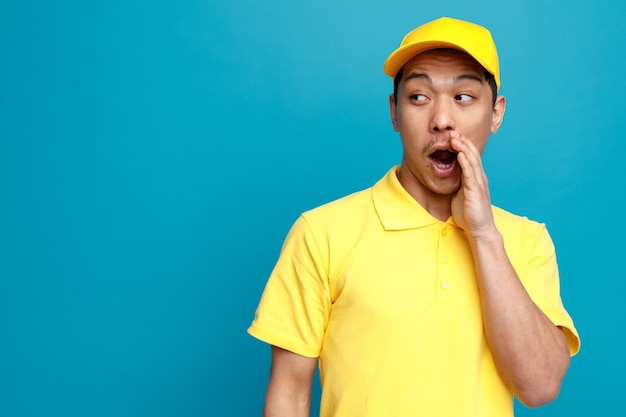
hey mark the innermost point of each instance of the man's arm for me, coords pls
(289, 388)
(530, 352)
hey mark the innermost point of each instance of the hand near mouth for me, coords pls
(471, 206)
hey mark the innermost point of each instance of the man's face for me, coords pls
(441, 91)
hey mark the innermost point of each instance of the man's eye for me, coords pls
(418, 97)
(463, 97)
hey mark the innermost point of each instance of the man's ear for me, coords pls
(498, 113)
(393, 112)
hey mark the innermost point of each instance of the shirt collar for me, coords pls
(396, 208)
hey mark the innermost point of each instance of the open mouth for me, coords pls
(443, 159)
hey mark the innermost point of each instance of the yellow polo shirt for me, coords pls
(386, 296)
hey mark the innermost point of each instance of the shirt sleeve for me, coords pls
(295, 305)
(541, 280)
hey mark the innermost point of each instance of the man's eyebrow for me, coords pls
(474, 77)
(420, 75)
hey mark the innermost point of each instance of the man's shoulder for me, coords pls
(509, 218)
(518, 228)
(343, 207)
(338, 225)
(352, 205)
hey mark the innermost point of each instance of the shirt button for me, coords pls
(445, 285)
(444, 232)
(443, 259)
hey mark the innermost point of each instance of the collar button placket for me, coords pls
(444, 285)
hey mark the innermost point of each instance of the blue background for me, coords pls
(153, 155)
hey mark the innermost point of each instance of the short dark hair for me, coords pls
(491, 80)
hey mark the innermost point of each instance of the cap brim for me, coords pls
(402, 55)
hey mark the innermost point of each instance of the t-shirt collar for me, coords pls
(396, 208)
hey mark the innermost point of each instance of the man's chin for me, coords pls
(446, 191)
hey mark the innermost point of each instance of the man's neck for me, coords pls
(437, 205)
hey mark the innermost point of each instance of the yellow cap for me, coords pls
(446, 32)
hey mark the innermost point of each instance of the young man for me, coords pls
(417, 296)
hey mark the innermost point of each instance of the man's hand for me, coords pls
(471, 206)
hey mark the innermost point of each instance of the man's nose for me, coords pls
(442, 116)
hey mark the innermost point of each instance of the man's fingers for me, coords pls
(469, 159)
